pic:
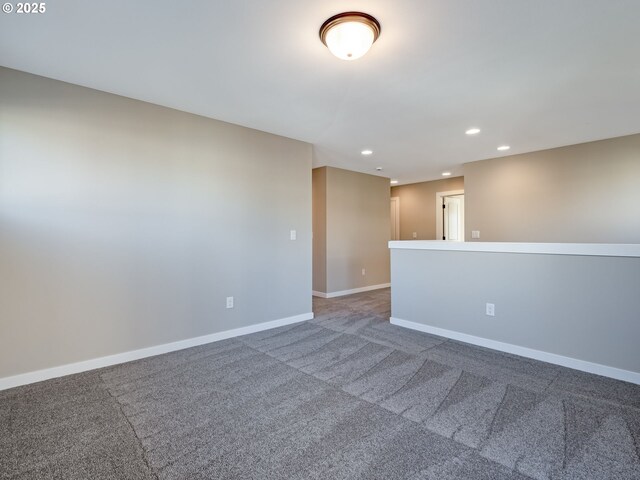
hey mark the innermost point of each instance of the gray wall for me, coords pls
(356, 229)
(581, 307)
(319, 189)
(125, 225)
(581, 193)
(418, 206)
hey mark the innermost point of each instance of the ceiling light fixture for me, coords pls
(349, 35)
(504, 148)
(472, 131)
(394, 182)
(446, 174)
(366, 152)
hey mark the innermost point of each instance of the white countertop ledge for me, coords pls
(584, 249)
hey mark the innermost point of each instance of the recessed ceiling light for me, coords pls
(349, 35)
(379, 169)
(446, 174)
(504, 148)
(472, 131)
(393, 182)
(366, 152)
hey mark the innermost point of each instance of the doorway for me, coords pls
(450, 216)
(395, 218)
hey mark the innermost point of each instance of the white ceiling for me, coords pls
(532, 74)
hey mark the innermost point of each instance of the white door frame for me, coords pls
(397, 225)
(439, 196)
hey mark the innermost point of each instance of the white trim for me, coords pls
(439, 225)
(584, 249)
(352, 291)
(582, 365)
(62, 370)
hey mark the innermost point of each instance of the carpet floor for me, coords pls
(344, 396)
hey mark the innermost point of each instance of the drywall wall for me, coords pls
(358, 220)
(125, 225)
(581, 193)
(582, 307)
(319, 204)
(418, 205)
(356, 230)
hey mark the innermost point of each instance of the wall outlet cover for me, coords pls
(491, 310)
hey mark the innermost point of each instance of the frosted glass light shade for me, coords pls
(349, 40)
(350, 35)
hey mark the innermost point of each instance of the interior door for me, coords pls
(453, 218)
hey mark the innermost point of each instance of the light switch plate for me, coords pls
(293, 234)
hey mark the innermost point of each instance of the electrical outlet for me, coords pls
(415, 234)
(475, 233)
(364, 272)
(229, 302)
(293, 234)
(491, 310)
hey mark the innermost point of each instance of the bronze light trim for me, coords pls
(350, 17)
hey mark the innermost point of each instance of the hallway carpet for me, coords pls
(344, 396)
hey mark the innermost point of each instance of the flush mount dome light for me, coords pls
(349, 35)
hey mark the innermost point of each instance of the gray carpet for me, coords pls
(345, 396)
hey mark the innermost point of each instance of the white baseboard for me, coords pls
(349, 292)
(62, 370)
(582, 365)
